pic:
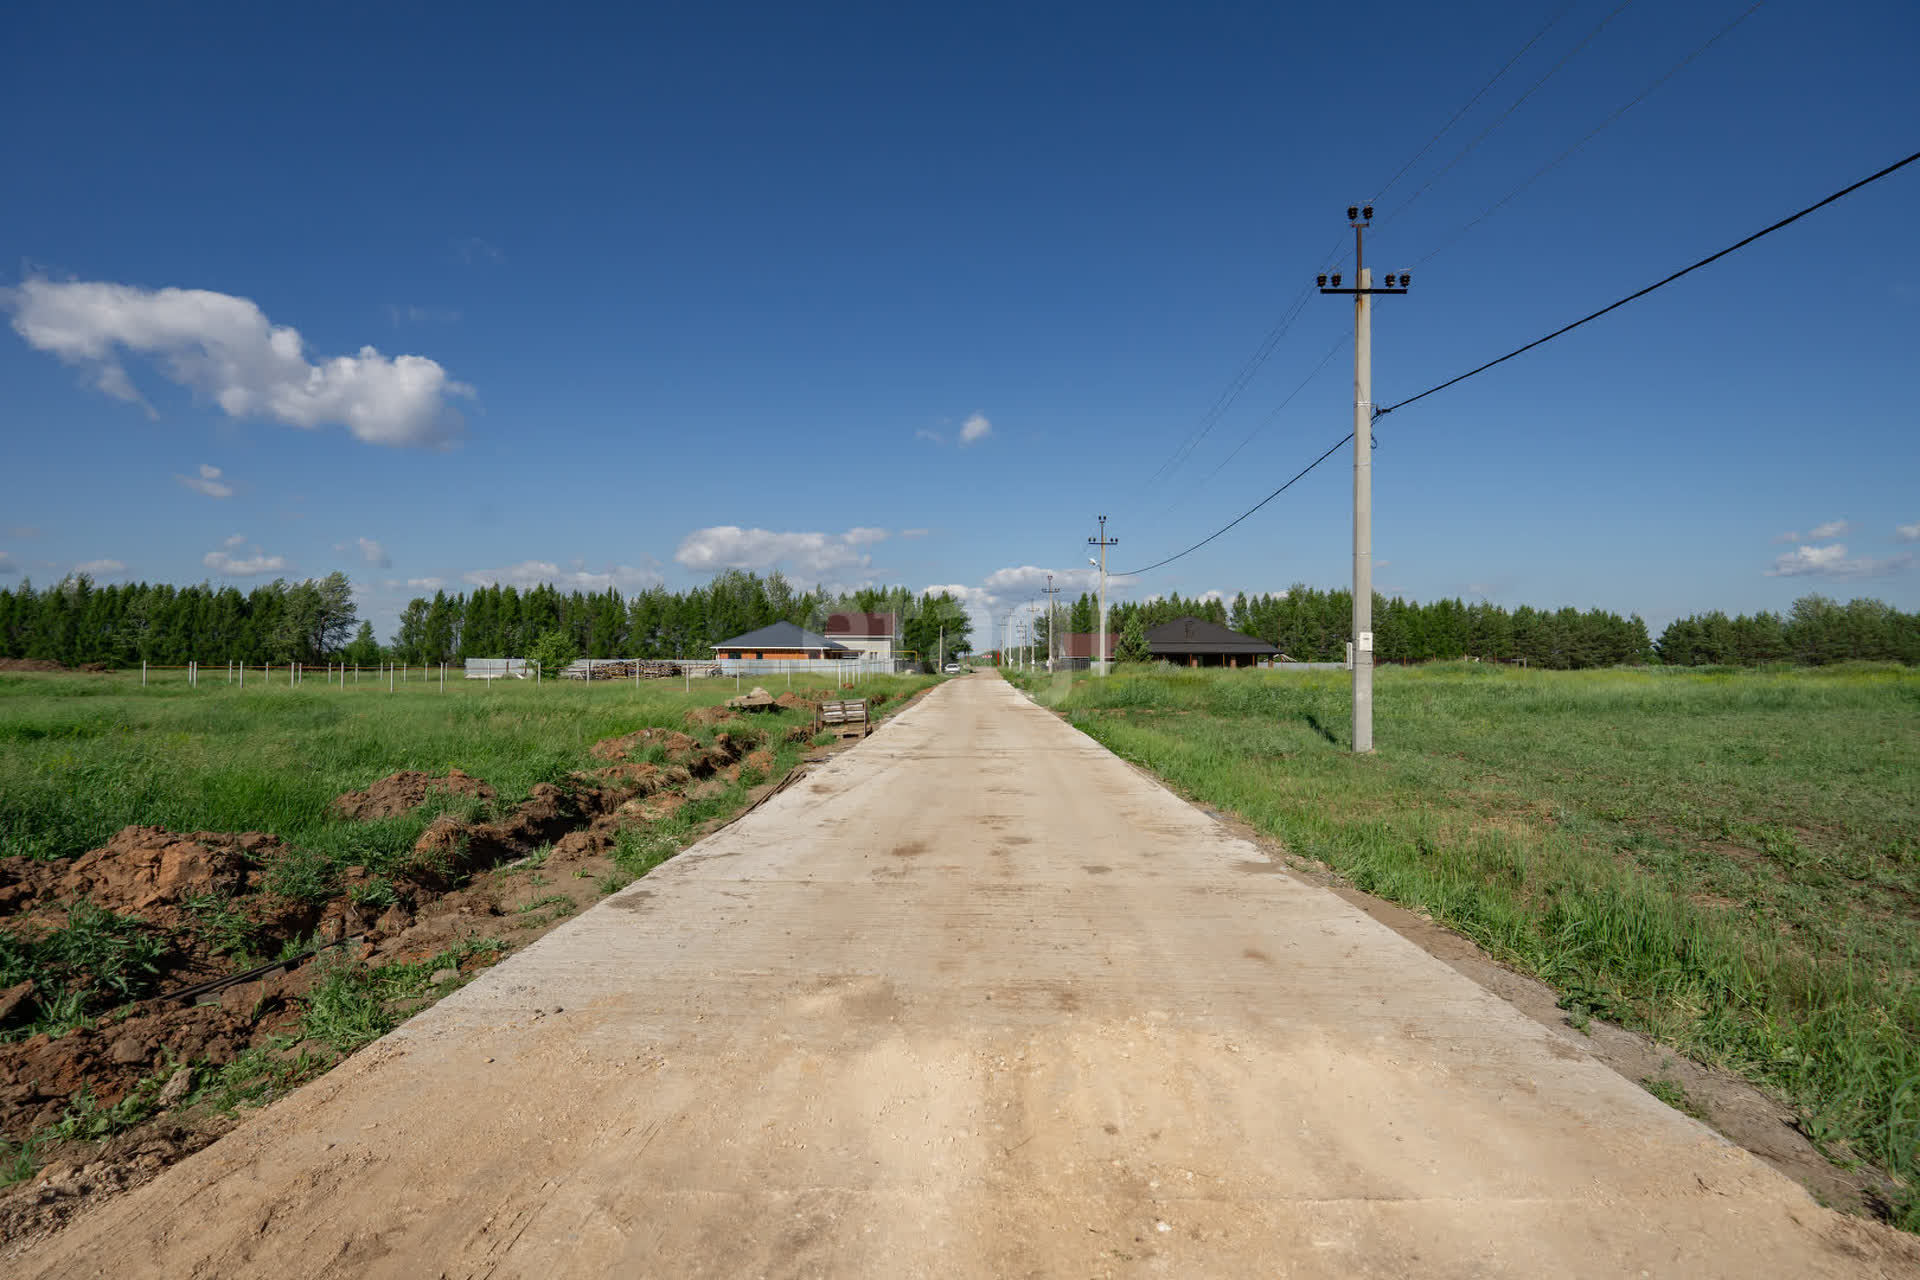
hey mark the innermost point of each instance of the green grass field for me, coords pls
(83, 756)
(1728, 861)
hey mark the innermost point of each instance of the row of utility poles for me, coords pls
(1363, 290)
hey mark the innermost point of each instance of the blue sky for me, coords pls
(896, 294)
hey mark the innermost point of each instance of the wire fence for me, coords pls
(394, 677)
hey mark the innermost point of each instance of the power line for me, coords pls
(1552, 22)
(1658, 284)
(1517, 103)
(1244, 514)
(1380, 413)
(1558, 160)
(1245, 375)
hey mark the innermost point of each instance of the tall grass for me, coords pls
(81, 757)
(1729, 861)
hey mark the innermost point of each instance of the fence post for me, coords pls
(389, 677)
(443, 677)
(143, 673)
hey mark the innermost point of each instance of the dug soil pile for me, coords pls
(403, 792)
(137, 1054)
(50, 666)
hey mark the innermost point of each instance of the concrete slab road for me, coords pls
(974, 999)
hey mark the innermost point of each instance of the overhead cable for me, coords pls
(1564, 329)
(1467, 150)
(1593, 133)
(1245, 375)
(1474, 100)
(1658, 284)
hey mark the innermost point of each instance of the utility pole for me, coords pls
(1360, 217)
(1053, 594)
(1103, 542)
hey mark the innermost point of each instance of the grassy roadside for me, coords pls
(1727, 861)
(81, 757)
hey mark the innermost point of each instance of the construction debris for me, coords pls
(756, 699)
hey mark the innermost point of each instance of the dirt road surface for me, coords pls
(974, 999)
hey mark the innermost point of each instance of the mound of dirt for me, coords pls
(710, 715)
(403, 792)
(39, 1075)
(49, 665)
(144, 871)
(626, 745)
(792, 701)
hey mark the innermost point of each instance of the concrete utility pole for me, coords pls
(1103, 542)
(1360, 217)
(1053, 594)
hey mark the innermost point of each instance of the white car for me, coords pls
(952, 668)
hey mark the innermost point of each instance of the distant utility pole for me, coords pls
(1053, 594)
(1103, 542)
(1360, 217)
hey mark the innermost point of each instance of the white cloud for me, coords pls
(224, 347)
(473, 249)
(921, 533)
(1029, 578)
(1908, 532)
(1205, 596)
(233, 540)
(727, 546)
(207, 482)
(928, 433)
(7, 564)
(370, 551)
(426, 584)
(532, 573)
(252, 566)
(1831, 529)
(421, 315)
(975, 429)
(1833, 562)
(96, 568)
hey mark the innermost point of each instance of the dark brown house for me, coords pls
(1195, 642)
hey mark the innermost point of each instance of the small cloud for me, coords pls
(99, 568)
(472, 249)
(921, 533)
(252, 566)
(728, 546)
(928, 433)
(1206, 596)
(207, 482)
(1819, 532)
(370, 551)
(1833, 562)
(233, 540)
(397, 315)
(533, 573)
(1908, 532)
(975, 429)
(426, 584)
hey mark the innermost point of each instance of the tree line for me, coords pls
(78, 622)
(1313, 625)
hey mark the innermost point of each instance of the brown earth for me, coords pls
(710, 715)
(147, 871)
(472, 880)
(403, 792)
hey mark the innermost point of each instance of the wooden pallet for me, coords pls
(845, 718)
